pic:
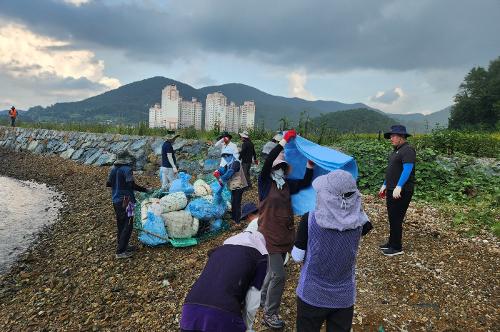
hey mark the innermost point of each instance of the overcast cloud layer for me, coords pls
(301, 40)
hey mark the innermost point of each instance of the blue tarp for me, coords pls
(297, 152)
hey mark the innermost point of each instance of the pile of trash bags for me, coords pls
(185, 215)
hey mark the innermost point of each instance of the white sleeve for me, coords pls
(252, 303)
(219, 142)
(298, 254)
(171, 161)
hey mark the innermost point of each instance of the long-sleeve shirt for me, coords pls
(228, 171)
(247, 152)
(121, 181)
(265, 179)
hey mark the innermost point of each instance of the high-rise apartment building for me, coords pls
(247, 115)
(191, 114)
(174, 113)
(171, 106)
(232, 118)
(215, 111)
(155, 116)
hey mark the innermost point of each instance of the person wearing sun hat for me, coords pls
(168, 169)
(231, 173)
(224, 142)
(276, 223)
(327, 241)
(247, 156)
(122, 184)
(398, 187)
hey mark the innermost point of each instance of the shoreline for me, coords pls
(69, 280)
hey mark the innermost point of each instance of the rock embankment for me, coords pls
(194, 156)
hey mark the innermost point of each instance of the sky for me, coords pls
(400, 56)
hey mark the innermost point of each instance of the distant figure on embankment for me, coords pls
(13, 116)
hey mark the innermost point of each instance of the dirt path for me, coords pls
(70, 280)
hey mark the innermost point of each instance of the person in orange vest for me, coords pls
(13, 116)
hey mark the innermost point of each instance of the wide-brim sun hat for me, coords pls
(244, 134)
(225, 134)
(171, 136)
(338, 201)
(124, 158)
(398, 130)
(280, 159)
(247, 209)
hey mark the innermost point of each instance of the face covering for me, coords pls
(278, 177)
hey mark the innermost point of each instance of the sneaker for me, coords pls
(273, 321)
(131, 248)
(392, 252)
(125, 254)
(384, 246)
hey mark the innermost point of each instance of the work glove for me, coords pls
(396, 192)
(289, 135)
(217, 174)
(382, 191)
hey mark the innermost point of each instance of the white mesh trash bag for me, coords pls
(180, 224)
(173, 202)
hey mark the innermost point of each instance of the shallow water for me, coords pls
(25, 207)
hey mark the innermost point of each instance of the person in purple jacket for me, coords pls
(226, 296)
(327, 241)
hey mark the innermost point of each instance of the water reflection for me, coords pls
(25, 207)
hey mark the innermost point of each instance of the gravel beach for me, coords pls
(70, 280)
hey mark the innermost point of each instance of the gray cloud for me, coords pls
(45, 89)
(320, 36)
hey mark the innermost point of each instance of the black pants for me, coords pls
(396, 211)
(124, 225)
(12, 122)
(236, 196)
(311, 318)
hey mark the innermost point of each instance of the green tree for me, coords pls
(477, 103)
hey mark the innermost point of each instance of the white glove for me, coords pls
(252, 303)
(382, 189)
(397, 192)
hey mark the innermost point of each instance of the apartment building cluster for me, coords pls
(175, 113)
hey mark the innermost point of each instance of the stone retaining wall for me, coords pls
(193, 156)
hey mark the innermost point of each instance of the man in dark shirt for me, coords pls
(247, 155)
(168, 169)
(398, 187)
(121, 182)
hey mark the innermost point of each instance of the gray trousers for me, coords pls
(274, 284)
(246, 170)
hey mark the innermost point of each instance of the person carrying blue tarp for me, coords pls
(276, 223)
(233, 174)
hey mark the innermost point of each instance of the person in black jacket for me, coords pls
(247, 156)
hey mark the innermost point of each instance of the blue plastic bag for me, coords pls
(221, 195)
(202, 209)
(215, 225)
(153, 225)
(182, 184)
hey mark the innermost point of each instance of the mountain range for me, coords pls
(130, 104)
